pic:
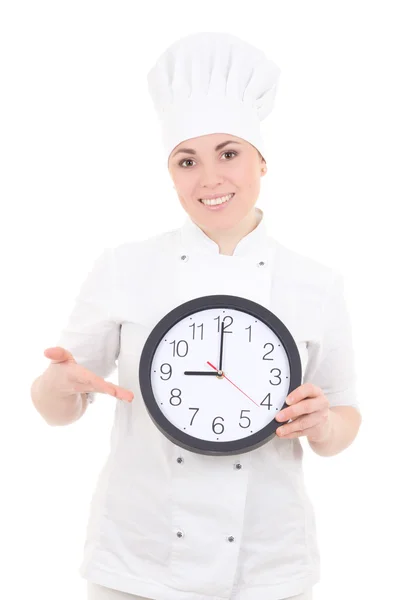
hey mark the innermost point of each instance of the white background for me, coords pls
(82, 168)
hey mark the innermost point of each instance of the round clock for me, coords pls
(215, 371)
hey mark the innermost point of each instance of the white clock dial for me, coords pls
(254, 385)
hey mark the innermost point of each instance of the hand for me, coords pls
(199, 373)
(221, 345)
(65, 376)
(307, 399)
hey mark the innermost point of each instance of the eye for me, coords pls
(185, 160)
(190, 159)
(230, 152)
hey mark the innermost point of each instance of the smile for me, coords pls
(217, 201)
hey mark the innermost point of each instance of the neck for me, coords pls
(228, 239)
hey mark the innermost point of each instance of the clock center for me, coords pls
(220, 375)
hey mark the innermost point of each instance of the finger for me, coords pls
(124, 394)
(296, 434)
(105, 387)
(299, 426)
(307, 406)
(58, 354)
(307, 390)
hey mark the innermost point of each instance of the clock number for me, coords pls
(196, 409)
(249, 328)
(176, 347)
(214, 425)
(225, 326)
(175, 396)
(194, 328)
(244, 417)
(269, 401)
(268, 344)
(278, 376)
(168, 373)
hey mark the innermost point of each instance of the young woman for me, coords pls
(167, 523)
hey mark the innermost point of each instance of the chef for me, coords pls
(167, 523)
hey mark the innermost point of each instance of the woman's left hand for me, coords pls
(309, 400)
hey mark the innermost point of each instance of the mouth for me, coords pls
(217, 203)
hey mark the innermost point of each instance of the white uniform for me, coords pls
(170, 524)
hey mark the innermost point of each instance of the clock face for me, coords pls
(211, 406)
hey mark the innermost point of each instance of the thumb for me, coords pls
(59, 355)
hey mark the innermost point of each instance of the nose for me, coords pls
(210, 179)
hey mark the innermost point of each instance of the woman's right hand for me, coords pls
(69, 378)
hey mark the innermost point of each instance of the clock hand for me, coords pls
(220, 348)
(199, 373)
(223, 375)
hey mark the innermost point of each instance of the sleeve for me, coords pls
(332, 359)
(90, 333)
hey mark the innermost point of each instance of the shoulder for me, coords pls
(295, 269)
(157, 246)
(141, 257)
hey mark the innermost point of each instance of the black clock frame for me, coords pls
(174, 434)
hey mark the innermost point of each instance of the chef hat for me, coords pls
(212, 83)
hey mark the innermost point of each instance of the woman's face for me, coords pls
(216, 164)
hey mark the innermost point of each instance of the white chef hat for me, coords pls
(212, 83)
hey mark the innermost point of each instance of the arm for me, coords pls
(91, 334)
(324, 409)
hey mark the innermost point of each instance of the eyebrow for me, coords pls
(191, 151)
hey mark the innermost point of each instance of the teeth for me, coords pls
(217, 200)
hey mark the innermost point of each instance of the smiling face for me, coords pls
(216, 164)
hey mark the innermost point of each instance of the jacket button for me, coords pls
(179, 459)
(179, 534)
(261, 263)
(238, 465)
(231, 538)
(184, 257)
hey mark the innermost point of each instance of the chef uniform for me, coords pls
(169, 524)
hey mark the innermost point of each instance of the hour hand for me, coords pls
(199, 373)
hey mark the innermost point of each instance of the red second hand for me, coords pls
(233, 384)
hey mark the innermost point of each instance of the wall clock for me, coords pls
(215, 371)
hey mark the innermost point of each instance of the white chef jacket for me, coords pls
(170, 524)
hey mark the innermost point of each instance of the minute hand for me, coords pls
(221, 346)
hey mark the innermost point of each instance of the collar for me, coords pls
(256, 244)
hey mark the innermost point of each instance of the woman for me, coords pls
(167, 523)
